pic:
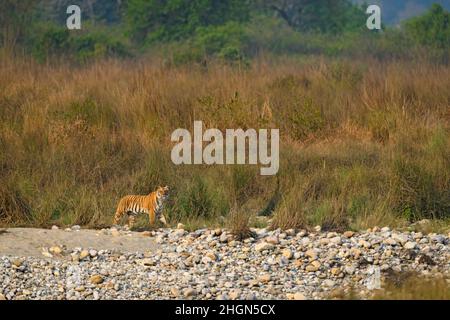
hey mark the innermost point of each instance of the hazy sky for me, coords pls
(393, 11)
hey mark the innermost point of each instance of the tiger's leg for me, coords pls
(118, 216)
(160, 217)
(163, 219)
(131, 220)
(151, 217)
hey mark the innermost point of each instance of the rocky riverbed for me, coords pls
(212, 264)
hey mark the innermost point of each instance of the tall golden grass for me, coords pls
(403, 286)
(415, 287)
(363, 143)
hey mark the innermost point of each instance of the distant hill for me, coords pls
(394, 11)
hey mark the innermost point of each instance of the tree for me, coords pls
(329, 16)
(175, 19)
(431, 29)
(15, 18)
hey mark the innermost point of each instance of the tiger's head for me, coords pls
(162, 192)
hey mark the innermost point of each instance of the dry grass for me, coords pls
(415, 287)
(289, 213)
(402, 286)
(363, 143)
(238, 223)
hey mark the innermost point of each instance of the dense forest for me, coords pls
(230, 30)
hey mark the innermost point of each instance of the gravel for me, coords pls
(212, 264)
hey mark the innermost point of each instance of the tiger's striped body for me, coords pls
(151, 204)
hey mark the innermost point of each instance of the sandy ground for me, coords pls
(29, 241)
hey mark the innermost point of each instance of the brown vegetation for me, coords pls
(363, 143)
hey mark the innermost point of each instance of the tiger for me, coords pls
(151, 204)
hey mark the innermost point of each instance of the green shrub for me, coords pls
(431, 29)
(225, 41)
(96, 45)
(199, 199)
(149, 20)
(49, 40)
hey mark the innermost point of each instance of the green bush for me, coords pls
(431, 29)
(150, 20)
(199, 199)
(50, 40)
(97, 45)
(225, 41)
